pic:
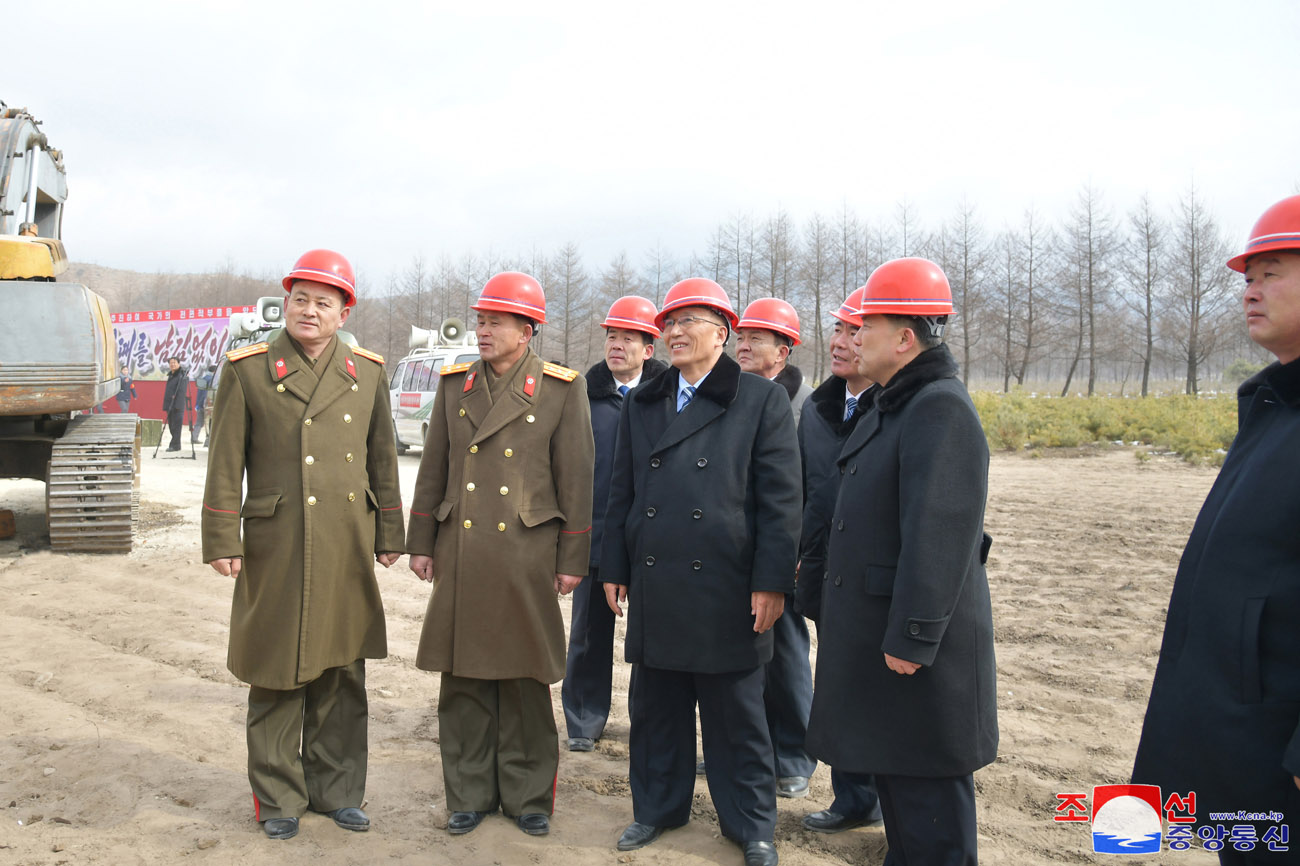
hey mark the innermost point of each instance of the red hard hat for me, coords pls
(633, 313)
(328, 267)
(772, 314)
(513, 292)
(697, 292)
(907, 287)
(848, 313)
(1277, 229)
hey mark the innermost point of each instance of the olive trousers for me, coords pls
(307, 746)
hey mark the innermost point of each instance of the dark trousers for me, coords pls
(307, 746)
(588, 671)
(175, 420)
(929, 822)
(737, 749)
(787, 693)
(499, 745)
(855, 794)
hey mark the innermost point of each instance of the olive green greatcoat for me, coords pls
(323, 499)
(502, 503)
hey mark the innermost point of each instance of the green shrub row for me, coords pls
(1200, 429)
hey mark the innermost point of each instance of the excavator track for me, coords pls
(92, 492)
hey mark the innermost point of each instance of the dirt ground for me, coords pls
(122, 733)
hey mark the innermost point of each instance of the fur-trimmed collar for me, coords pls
(828, 402)
(929, 366)
(720, 386)
(790, 378)
(601, 383)
(1284, 379)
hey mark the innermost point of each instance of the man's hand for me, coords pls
(230, 566)
(422, 566)
(566, 583)
(387, 559)
(766, 608)
(615, 595)
(901, 666)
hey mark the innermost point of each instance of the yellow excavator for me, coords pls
(58, 358)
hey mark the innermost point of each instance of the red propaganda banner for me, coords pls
(145, 340)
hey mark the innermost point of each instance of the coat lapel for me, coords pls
(335, 381)
(687, 422)
(863, 432)
(511, 403)
(287, 368)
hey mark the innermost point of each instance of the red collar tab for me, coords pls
(530, 385)
(281, 369)
(469, 381)
(352, 368)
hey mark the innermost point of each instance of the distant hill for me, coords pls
(129, 291)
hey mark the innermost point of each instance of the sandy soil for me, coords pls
(122, 733)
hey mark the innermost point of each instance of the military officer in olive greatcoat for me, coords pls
(304, 419)
(501, 523)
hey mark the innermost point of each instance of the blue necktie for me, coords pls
(622, 390)
(849, 406)
(688, 394)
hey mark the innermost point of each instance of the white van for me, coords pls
(415, 378)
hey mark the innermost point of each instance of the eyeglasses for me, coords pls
(687, 321)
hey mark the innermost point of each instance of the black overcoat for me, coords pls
(606, 404)
(1224, 714)
(822, 433)
(906, 578)
(703, 511)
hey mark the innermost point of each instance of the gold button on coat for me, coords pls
(510, 452)
(462, 413)
(351, 497)
(530, 419)
(468, 524)
(307, 422)
(469, 486)
(505, 490)
(347, 419)
(348, 458)
(311, 500)
(473, 449)
(501, 527)
(354, 386)
(280, 387)
(310, 460)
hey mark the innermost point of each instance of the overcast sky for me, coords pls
(200, 132)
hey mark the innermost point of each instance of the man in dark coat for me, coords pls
(701, 535)
(1223, 721)
(768, 331)
(174, 394)
(630, 334)
(305, 425)
(833, 411)
(905, 668)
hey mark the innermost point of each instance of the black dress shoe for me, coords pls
(792, 786)
(638, 835)
(463, 822)
(350, 818)
(581, 744)
(760, 854)
(280, 828)
(827, 821)
(535, 824)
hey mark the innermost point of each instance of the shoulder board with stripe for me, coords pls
(369, 355)
(457, 368)
(247, 352)
(559, 372)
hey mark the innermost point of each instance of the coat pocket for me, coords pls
(372, 500)
(261, 502)
(537, 516)
(444, 508)
(880, 580)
